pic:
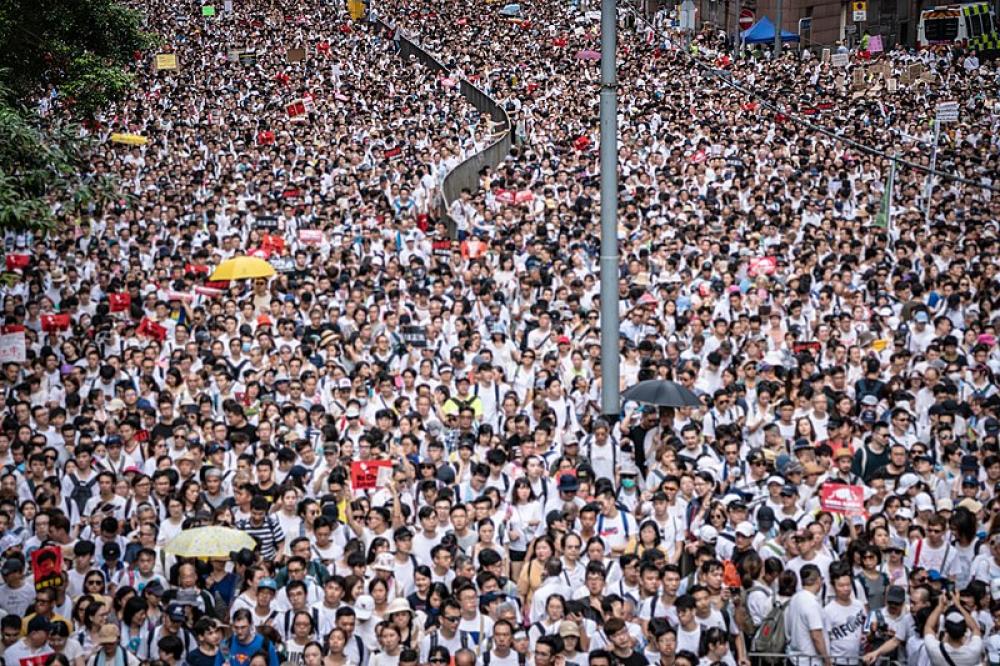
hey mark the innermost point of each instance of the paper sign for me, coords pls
(875, 44)
(296, 109)
(849, 500)
(53, 323)
(840, 59)
(893, 85)
(208, 10)
(296, 55)
(119, 302)
(16, 261)
(47, 567)
(247, 58)
(166, 61)
(311, 236)
(914, 71)
(370, 474)
(151, 329)
(13, 348)
(415, 336)
(858, 78)
(812, 347)
(762, 266)
(880, 345)
(129, 139)
(826, 55)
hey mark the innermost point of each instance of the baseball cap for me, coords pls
(364, 606)
(745, 529)
(267, 584)
(895, 594)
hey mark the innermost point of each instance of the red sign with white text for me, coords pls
(849, 500)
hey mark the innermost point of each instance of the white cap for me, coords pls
(945, 504)
(746, 529)
(364, 606)
(923, 502)
(904, 512)
(907, 481)
(708, 533)
(775, 479)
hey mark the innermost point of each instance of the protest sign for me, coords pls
(166, 61)
(858, 78)
(151, 329)
(12, 347)
(311, 236)
(208, 11)
(129, 139)
(840, 59)
(849, 500)
(875, 44)
(826, 55)
(415, 336)
(914, 71)
(248, 58)
(762, 266)
(16, 261)
(120, 301)
(892, 85)
(53, 323)
(47, 567)
(811, 346)
(370, 474)
(269, 222)
(296, 55)
(296, 109)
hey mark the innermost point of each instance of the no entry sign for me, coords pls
(746, 19)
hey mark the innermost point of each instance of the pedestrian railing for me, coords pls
(465, 175)
(794, 659)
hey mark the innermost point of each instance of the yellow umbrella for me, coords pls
(213, 541)
(242, 268)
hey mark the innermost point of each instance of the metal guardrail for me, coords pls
(793, 659)
(465, 175)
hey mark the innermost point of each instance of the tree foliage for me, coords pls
(76, 54)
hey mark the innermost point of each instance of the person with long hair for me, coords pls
(63, 644)
(533, 573)
(714, 648)
(525, 515)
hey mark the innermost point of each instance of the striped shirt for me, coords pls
(268, 535)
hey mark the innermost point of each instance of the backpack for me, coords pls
(82, 491)
(741, 613)
(770, 637)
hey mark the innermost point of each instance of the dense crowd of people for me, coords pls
(832, 501)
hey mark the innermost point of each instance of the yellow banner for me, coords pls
(129, 139)
(166, 61)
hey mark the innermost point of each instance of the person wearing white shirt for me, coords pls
(804, 625)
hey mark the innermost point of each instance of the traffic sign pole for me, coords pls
(929, 187)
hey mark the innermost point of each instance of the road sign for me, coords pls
(947, 112)
(859, 10)
(746, 19)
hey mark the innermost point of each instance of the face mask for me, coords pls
(246, 347)
(628, 483)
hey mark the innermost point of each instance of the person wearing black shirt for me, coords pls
(620, 642)
(209, 636)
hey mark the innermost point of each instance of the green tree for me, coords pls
(82, 51)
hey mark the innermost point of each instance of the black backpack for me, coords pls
(82, 491)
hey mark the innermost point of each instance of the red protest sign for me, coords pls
(505, 196)
(849, 500)
(47, 566)
(15, 261)
(369, 474)
(296, 109)
(762, 266)
(151, 329)
(53, 323)
(120, 302)
(194, 268)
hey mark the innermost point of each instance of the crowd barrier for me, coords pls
(465, 175)
(792, 659)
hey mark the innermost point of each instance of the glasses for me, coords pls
(451, 618)
(438, 660)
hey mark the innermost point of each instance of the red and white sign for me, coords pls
(370, 474)
(13, 348)
(849, 500)
(311, 236)
(746, 19)
(762, 266)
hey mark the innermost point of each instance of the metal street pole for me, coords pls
(777, 31)
(610, 401)
(929, 187)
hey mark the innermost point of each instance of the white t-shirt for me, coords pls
(804, 614)
(970, 654)
(845, 627)
(689, 640)
(933, 558)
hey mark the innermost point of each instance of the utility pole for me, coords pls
(777, 31)
(610, 400)
(929, 187)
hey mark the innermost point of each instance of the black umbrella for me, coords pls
(662, 392)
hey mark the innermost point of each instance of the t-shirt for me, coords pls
(845, 627)
(969, 654)
(803, 615)
(22, 654)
